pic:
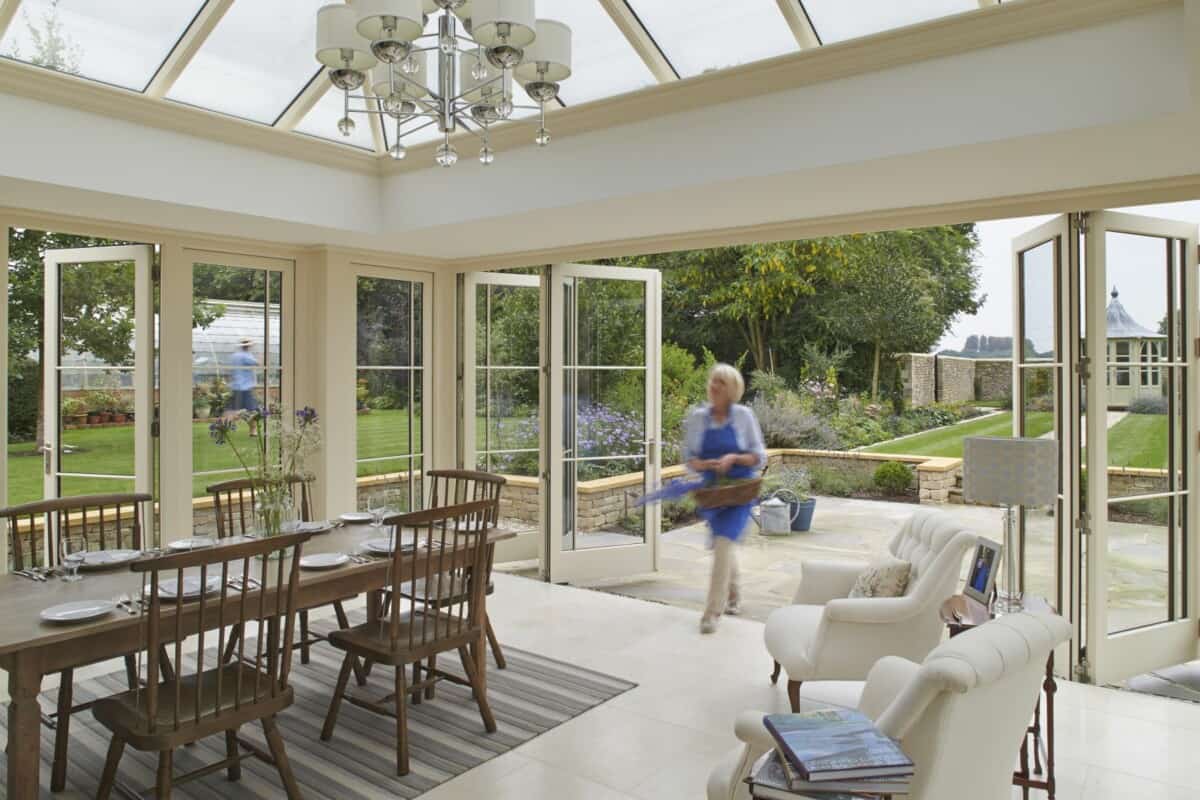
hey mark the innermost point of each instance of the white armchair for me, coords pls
(959, 716)
(825, 635)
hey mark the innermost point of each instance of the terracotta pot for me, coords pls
(119, 417)
(93, 418)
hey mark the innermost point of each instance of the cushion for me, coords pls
(789, 634)
(886, 578)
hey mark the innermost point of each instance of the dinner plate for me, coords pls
(313, 526)
(78, 611)
(356, 517)
(191, 587)
(102, 559)
(194, 543)
(324, 560)
(384, 545)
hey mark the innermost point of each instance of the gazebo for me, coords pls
(1129, 342)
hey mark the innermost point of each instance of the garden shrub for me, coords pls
(892, 477)
(1148, 405)
(837, 483)
(788, 425)
(24, 379)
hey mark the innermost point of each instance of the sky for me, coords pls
(1135, 266)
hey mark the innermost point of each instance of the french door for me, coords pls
(1105, 316)
(602, 411)
(98, 358)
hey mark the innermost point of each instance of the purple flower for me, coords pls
(306, 416)
(220, 430)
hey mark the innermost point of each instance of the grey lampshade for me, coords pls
(1018, 472)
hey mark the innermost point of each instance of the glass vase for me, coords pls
(274, 509)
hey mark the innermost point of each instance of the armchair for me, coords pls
(960, 715)
(825, 635)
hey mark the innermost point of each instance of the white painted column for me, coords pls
(175, 393)
(336, 370)
(309, 360)
(442, 409)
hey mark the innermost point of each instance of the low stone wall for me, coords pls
(993, 378)
(1126, 481)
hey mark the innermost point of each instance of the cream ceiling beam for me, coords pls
(640, 40)
(304, 102)
(801, 25)
(186, 48)
(8, 10)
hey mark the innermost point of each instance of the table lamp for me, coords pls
(1010, 472)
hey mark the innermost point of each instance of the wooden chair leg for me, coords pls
(162, 785)
(775, 673)
(116, 748)
(360, 677)
(335, 704)
(234, 771)
(416, 679)
(401, 722)
(431, 668)
(131, 671)
(485, 708)
(794, 695)
(231, 645)
(164, 665)
(62, 730)
(497, 653)
(305, 647)
(367, 666)
(275, 742)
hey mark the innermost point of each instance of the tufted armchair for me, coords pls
(825, 635)
(959, 716)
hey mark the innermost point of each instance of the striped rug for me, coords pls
(446, 736)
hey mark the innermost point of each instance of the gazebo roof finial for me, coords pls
(1114, 292)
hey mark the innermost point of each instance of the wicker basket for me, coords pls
(732, 494)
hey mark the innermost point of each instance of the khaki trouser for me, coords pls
(723, 586)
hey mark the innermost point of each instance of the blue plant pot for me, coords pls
(802, 514)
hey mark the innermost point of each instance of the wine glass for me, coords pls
(72, 549)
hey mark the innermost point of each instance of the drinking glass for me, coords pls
(72, 549)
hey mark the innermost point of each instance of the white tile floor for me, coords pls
(659, 741)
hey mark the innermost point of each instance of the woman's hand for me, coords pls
(726, 463)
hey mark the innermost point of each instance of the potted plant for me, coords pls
(792, 485)
(74, 411)
(361, 394)
(94, 401)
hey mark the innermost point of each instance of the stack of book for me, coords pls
(832, 754)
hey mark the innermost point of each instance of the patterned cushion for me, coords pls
(886, 578)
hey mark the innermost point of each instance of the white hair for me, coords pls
(731, 377)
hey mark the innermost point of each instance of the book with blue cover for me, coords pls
(836, 744)
(771, 779)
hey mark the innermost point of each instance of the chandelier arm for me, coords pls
(417, 85)
(401, 134)
(472, 90)
(469, 125)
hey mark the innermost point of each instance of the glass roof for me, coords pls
(838, 20)
(322, 121)
(715, 34)
(259, 56)
(122, 42)
(255, 62)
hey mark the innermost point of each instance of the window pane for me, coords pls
(255, 62)
(605, 63)
(715, 34)
(122, 42)
(386, 322)
(385, 426)
(836, 20)
(322, 121)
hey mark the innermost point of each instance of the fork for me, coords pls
(24, 573)
(126, 602)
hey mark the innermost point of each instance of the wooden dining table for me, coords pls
(31, 648)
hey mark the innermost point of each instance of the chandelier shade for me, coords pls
(478, 77)
(548, 58)
(503, 22)
(339, 45)
(405, 18)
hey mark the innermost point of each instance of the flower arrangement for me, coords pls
(272, 467)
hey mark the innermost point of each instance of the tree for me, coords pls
(901, 291)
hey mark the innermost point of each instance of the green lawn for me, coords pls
(1139, 440)
(947, 442)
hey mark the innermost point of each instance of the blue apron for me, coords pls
(730, 521)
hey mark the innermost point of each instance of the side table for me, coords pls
(961, 613)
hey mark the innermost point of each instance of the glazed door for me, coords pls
(602, 411)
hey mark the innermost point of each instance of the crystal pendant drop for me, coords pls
(446, 155)
(346, 126)
(398, 151)
(409, 66)
(394, 103)
(447, 45)
(505, 108)
(543, 137)
(486, 155)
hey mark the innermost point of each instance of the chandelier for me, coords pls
(448, 78)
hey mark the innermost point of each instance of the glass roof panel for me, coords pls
(715, 34)
(322, 121)
(605, 63)
(255, 62)
(838, 20)
(122, 42)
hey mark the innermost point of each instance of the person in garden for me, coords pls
(243, 382)
(722, 439)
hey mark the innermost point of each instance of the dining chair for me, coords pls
(233, 504)
(250, 585)
(450, 544)
(108, 522)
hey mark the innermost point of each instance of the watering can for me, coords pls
(775, 516)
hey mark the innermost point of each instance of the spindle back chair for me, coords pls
(233, 503)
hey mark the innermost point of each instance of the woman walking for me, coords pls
(723, 439)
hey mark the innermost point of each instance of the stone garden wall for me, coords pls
(956, 379)
(928, 379)
(918, 377)
(993, 378)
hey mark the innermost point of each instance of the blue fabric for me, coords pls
(241, 380)
(730, 521)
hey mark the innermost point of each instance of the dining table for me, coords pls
(31, 648)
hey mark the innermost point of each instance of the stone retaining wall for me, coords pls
(993, 378)
(956, 379)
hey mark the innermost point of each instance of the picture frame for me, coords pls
(985, 566)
